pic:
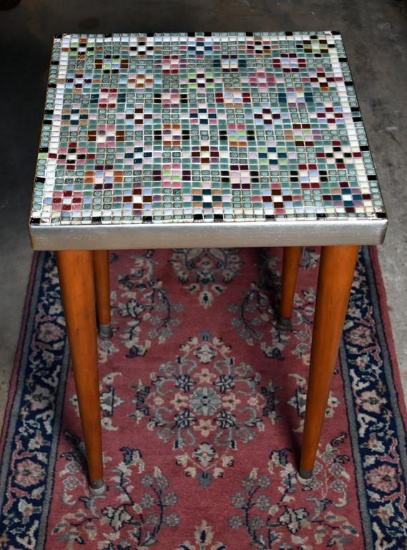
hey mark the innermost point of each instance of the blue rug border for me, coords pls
(376, 292)
(18, 390)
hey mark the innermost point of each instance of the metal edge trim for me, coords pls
(220, 235)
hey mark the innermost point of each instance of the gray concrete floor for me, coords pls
(375, 34)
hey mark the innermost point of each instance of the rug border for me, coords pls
(17, 388)
(384, 313)
(391, 373)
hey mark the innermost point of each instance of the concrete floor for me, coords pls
(376, 38)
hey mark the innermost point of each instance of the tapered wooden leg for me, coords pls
(291, 258)
(336, 273)
(102, 281)
(78, 297)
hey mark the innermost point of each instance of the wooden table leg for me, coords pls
(78, 297)
(102, 281)
(291, 259)
(336, 273)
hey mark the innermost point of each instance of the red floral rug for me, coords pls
(203, 403)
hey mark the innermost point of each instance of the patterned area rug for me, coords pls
(203, 404)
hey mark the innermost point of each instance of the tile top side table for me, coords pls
(202, 139)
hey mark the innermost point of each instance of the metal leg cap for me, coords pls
(284, 324)
(98, 487)
(305, 477)
(105, 331)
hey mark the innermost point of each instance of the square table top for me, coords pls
(203, 139)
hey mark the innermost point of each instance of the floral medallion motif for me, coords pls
(206, 271)
(205, 404)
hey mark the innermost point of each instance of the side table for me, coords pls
(210, 140)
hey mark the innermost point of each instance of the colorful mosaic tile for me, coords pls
(155, 128)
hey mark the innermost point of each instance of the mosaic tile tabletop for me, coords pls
(202, 127)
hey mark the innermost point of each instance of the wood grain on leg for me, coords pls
(336, 273)
(291, 258)
(78, 296)
(102, 281)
